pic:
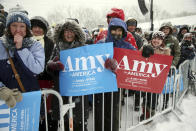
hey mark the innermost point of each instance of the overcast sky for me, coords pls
(42, 7)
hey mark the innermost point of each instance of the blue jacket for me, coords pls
(118, 43)
(28, 62)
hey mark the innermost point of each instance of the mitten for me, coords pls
(147, 51)
(6, 95)
(55, 64)
(111, 64)
(17, 95)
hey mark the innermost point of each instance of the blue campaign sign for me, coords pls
(84, 71)
(169, 86)
(24, 116)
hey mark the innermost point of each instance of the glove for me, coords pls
(111, 64)
(55, 64)
(147, 51)
(17, 95)
(6, 94)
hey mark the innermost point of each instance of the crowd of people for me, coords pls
(29, 58)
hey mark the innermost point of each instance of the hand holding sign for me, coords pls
(111, 64)
(10, 96)
(55, 64)
(24, 116)
(147, 51)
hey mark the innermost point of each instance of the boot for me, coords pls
(148, 113)
(142, 117)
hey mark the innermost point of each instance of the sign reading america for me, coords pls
(143, 74)
(24, 116)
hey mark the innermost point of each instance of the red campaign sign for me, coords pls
(136, 72)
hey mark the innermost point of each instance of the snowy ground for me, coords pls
(188, 117)
(168, 122)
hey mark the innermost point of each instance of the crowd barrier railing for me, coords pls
(132, 104)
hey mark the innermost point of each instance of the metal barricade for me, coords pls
(63, 109)
(135, 108)
(151, 105)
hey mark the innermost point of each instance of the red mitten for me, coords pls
(111, 64)
(55, 64)
(56, 58)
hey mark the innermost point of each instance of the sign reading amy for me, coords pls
(138, 73)
(24, 116)
(84, 71)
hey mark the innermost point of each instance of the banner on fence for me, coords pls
(84, 71)
(169, 85)
(143, 74)
(24, 116)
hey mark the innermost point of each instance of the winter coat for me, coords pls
(163, 51)
(28, 61)
(48, 47)
(160, 50)
(173, 44)
(129, 38)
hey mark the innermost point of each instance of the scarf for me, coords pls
(65, 45)
(9, 42)
(40, 39)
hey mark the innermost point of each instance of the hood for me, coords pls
(119, 23)
(131, 21)
(70, 25)
(116, 13)
(166, 24)
(38, 20)
(184, 27)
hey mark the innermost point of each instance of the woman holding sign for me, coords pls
(158, 46)
(67, 36)
(21, 59)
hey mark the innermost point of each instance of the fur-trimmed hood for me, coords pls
(69, 25)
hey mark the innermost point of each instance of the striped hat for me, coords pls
(18, 17)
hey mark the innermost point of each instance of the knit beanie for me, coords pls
(187, 35)
(131, 22)
(158, 34)
(18, 8)
(18, 17)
